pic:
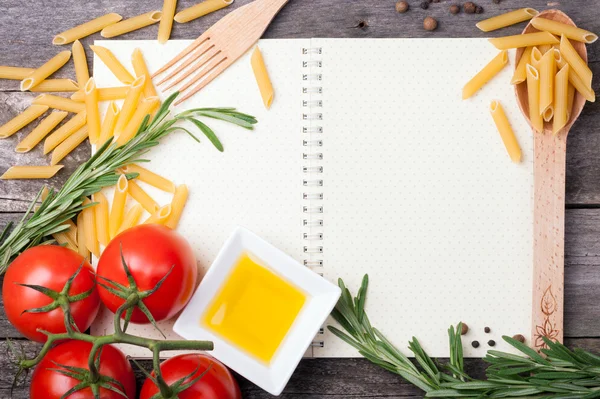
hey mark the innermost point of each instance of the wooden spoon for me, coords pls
(550, 153)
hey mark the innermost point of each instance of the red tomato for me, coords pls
(49, 384)
(49, 266)
(217, 383)
(150, 251)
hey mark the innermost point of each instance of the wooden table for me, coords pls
(26, 31)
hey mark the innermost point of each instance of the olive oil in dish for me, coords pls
(254, 309)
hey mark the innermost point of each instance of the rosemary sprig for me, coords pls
(100, 171)
(561, 374)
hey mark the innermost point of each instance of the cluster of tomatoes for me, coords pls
(151, 252)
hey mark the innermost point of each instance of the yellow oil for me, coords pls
(254, 309)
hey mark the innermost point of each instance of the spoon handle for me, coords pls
(549, 233)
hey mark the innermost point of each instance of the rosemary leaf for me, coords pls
(98, 172)
(563, 373)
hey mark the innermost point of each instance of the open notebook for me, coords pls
(367, 162)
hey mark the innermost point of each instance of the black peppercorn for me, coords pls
(402, 6)
(430, 23)
(491, 342)
(487, 329)
(519, 338)
(454, 9)
(475, 344)
(478, 9)
(424, 5)
(469, 7)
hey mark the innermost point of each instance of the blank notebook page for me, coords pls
(420, 193)
(254, 183)
(418, 190)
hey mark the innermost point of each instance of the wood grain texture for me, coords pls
(26, 35)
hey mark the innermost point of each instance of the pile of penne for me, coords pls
(549, 66)
(111, 25)
(139, 95)
(98, 224)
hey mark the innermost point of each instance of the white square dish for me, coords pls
(321, 299)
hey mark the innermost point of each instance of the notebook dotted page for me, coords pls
(421, 193)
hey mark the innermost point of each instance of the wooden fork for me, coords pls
(219, 47)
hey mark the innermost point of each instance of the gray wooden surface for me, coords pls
(26, 31)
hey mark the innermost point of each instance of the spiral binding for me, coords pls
(312, 180)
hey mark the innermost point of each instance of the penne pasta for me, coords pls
(64, 240)
(536, 58)
(86, 29)
(66, 130)
(507, 19)
(547, 72)
(548, 114)
(61, 103)
(560, 29)
(80, 60)
(262, 77)
(109, 59)
(544, 48)
(151, 178)
(91, 108)
(30, 172)
(533, 98)
(89, 220)
(557, 55)
(115, 218)
(40, 131)
(166, 21)
(524, 40)
(578, 83)
(56, 85)
(23, 119)
(177, 205)
(142, 197)
(130, 104)
(200, 10)
(570, 98)
(68, 236)
(131, 24)
(131, 218)
(104, 94)
(520, 74)
(107, 128)
(81, 248)
(51, 66)
(561, 88)
(140, 68)
(14, 73)
(145, 107)
(101, 214)
(67, 146)
(160, 216)
(485, 75)
(579, 66)
(506, 131)
(72, 232)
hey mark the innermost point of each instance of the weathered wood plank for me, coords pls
(583, 160)
(356, 378)
(314, 378)
(582, 279)
(26, 41)
(15, 195)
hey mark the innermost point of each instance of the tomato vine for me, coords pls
(92, 378)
